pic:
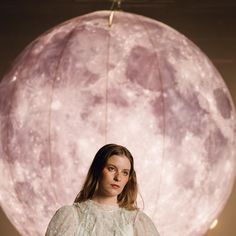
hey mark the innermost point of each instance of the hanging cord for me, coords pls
(116, 6)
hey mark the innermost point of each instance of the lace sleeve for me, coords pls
(63, 223)
(144, 226)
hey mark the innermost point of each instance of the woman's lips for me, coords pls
(115, 186)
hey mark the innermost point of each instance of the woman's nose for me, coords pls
(117, 177)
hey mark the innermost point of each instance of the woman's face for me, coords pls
(115, 176)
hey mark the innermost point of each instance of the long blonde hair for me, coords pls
(127, 198)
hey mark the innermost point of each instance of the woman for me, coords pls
(106, 205)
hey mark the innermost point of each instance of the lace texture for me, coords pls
(90, 218)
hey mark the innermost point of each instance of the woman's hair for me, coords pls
(127, 198)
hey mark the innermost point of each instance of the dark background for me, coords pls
(210, 24)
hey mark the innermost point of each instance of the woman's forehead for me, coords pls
(119, 161)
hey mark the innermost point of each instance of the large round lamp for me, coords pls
(128, 80)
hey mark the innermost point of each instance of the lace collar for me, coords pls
(103, 207)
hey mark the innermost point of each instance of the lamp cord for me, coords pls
(116, 6)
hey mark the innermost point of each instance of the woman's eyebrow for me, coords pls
(109, 164)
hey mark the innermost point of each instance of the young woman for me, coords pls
(106, 205)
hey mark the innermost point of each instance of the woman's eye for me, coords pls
(126, 173)
(110, 168)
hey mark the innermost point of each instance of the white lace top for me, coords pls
(90, 218)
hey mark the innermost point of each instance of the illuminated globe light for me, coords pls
(138, 83)
(214, 224)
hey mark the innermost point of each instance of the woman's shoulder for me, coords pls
(142, 215)
(65, 211)
(130, 214)
(63, 222)
(66, 208)
(144, 224)
(81, 206)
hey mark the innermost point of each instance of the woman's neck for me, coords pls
(105, 200)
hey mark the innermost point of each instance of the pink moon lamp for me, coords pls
(138, 83)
